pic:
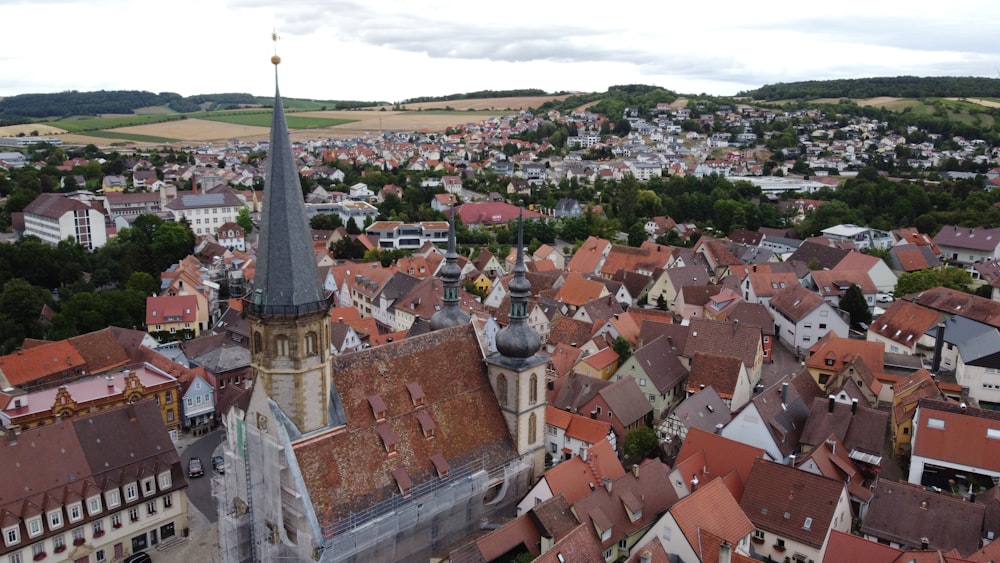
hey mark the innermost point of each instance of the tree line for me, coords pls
(893, 86)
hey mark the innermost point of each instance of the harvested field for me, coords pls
(27, 128)
(980, 101)
(197, 130)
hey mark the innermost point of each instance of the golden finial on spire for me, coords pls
(275, 60)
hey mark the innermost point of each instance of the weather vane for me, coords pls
(275, 60)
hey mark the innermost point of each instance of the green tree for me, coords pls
(854, 303)
(244, 221)
(347, 248)
(142, 282)
(637, 234)
(622, 348)
(640, 442)
(327, 222)
(171, 243)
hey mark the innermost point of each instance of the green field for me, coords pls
(263, 119)
(299, 104)
(131, 137)
(81, 124)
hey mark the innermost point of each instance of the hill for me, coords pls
(892, 87)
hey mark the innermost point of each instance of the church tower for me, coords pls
(288, 313)
(451, 274)
(517, 371)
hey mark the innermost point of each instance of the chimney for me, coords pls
(718, 429)
(784, 393)
(854, 406)
(791, 460)
(938, 344)
(593, 414)
(591, 486)
(972, 497)
(11, 435)
(694, 483)
(645, 557)
(635, 470)
(606, 481)
(924, 543)
(110, 380)
(701, 387)
(725, 552)
(131, 412)
(832, 403)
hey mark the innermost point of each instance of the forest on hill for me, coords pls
(481, 94)
(892, 86)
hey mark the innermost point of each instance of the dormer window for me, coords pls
(378, 407)
(11, 536)
(602, 524)
(131, 492)
(416, 393)
(389, 438)
(440, 465)
(403, 481)
(112, 498)
(55, 519)
(148, 486)
(34, 526)
(165, 480)
(94, 505)
(427, 424)
(75, 512)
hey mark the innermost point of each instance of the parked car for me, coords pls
(195, 468)
(885, 298)
(141, 557)
(219, 464)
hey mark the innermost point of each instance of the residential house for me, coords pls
(199, 402)
(878, 271)
(548, 252)
(168, 315)
(590, 257)
(719, 338)
(863, 238)
(968, 245)
(818, 256)
(600, 364)
(232, 236)
(860, 428)
(409, 236)
(831, 459)
(692, 300)
(906, 328)
(954, 446)
(802, 318)
(793, 511)
(907, 516)
(55, 217)
(773, 420)
(659, 373)
(576, 291)
(101, 485)
(761, 287)
(705, 455)
(711, 509)
(574, 477)
(443, 202)
(206, 212)
(132, 205)
(568, 434)
(833, 284)
(704, 410)
(972, 349)
(726, 374)
(906, 394)
(620, 511)
(567, 207)
(621, 403)
(832, 352)
(482, 214)
(753, 314)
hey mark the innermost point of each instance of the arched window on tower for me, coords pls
(533, 389)
(532, 428)
(502, 390)
(281, 346)
(311, 347)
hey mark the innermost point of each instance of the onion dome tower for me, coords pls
(451, 274)
(517, 370)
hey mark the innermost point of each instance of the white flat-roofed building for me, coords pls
(862, 237)
(396, 234)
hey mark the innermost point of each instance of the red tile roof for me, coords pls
(963, 440)
(713, 509)
(573, 477)
(722, 456)
(40, 362)
(847, 547)
(167, 309)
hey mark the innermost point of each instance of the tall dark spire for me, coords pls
(286, 282)
(451, 274)
(517, 339)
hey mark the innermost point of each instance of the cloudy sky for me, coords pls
(392, 50)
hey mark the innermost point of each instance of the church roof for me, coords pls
(286, 281)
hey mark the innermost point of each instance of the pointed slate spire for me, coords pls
(517, 339)
(286, 282)
(451, 274)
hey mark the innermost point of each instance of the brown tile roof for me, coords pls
(580, 544)
(954, 302)
(752, 314)
(837, 282)
(349, 469)
(847, 547)
(720, 456)
(842, 351)
(907, 392)
(626, 400)
(833, 460)
(35, 364)
(577, 390)
(699, 295)
(631, 259)
(904, 513)
(589, 256)
(721, 338)
(795, 302)
(659, 362)
(911, 257)
(572, 478)
(711, 508)
(779, 498)
(786, 421)
(719, 372)
(863, 429)
(577, 290)
(676, 334)
(975, 238)
(570, 331)
(647, 487)
(827, 256)
(905, 322)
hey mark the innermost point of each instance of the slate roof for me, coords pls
(349, 470)
(904, 513)
(905, 322)
(953, 302)
(785, 421)
(775, 490)
(978, 343)
(626, 400)
(694, 411)
(974, 238)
